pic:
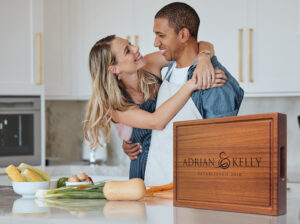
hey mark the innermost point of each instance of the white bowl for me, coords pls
(78, 183)
(28, 189)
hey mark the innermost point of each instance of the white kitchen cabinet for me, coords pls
(219, 24)
(274, 47)
(72, 27)
(21, 49)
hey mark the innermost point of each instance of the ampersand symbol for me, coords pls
(224, 162)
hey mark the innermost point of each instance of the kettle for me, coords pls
(97, 155)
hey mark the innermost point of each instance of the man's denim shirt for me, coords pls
(222, 101)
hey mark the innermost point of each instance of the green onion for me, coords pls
(89, 191)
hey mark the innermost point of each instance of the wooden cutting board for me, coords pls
(232, 164)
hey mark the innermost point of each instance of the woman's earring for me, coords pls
(119, 78)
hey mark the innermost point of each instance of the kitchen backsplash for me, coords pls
(65, 136)
(286, 105)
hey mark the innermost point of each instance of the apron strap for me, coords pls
(172, 65)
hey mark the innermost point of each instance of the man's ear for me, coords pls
(184, 35)
(113, 69)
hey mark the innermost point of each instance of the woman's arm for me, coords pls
(160, 118)
(156, 61)
(208, 47)
(204, 71)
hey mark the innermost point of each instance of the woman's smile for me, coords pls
(140, 57)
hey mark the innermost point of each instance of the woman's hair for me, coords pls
(107, 91)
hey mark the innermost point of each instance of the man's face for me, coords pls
(166, 39)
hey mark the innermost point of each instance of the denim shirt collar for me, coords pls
(189, 72)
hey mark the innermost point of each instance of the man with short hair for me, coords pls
(176, 28)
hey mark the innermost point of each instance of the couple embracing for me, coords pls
(130, 91)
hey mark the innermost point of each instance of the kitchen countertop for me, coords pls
(14, 209)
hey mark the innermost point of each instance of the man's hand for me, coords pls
(221, 78)
(132, 149)
(204, 72)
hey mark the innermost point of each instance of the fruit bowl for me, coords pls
(28, 189)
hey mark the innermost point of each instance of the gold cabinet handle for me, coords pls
(250, 30)
(240, 55)
(39, 38)
(135, 40)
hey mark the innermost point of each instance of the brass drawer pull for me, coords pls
(250, 55)
(39, 81)
(240, 55)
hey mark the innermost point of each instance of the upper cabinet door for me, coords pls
(96, 19)
(21, 24)
(275, 47)
(221, 22)
(72, 28)
(258, 41)
(264, 60)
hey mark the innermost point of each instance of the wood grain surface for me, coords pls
(234, 164)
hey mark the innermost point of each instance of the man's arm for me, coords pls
(222, 101)
(132, 149)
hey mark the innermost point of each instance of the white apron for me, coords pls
(159, 167)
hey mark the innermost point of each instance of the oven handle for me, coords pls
(17, 104)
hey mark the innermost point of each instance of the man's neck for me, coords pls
(187, 55)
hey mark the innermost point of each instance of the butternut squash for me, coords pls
(133, 189)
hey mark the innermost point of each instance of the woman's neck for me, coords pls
(131, 86)
(131, 82)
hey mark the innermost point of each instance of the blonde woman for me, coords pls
(125, 86)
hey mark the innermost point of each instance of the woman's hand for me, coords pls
(204, 72)
(221, 78)
(191, 84)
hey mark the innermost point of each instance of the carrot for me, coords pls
(151, 190)
(82, 187)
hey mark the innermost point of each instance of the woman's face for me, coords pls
(128, 57)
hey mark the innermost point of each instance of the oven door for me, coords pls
(20, 137)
